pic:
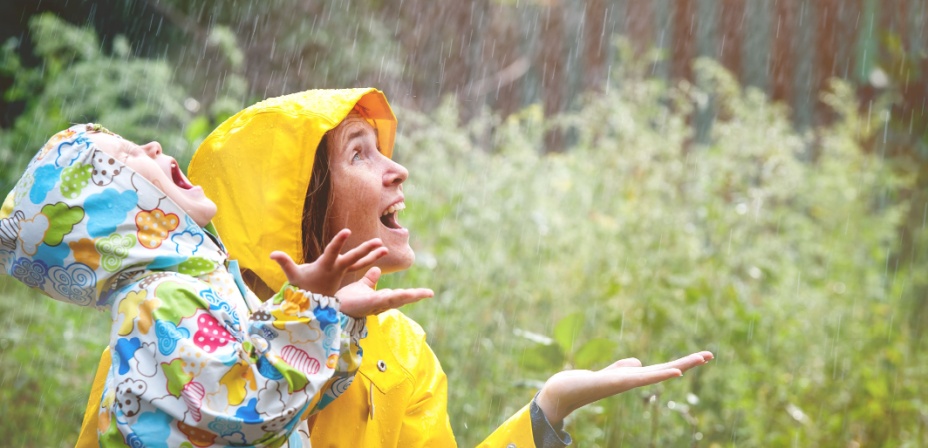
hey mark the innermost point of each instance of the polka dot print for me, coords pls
(104, 169)
(210, 334)
(195, 266)
(154, 227)
(74, 178)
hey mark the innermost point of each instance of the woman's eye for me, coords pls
(356, 156)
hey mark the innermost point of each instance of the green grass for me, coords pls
(49, 352)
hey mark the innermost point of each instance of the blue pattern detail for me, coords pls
(233, 322)
(188, 242)
(153, 428)
(134, 441)
(210, 296)
(225, 426)
(269, 333)
(331, 337)
(126, 349)
(46, 176)
(326, 316)
(165, 261)
(324, 401)
(79, 140)
(108, 209)
(168, 334)
(267, 370)
(30, 272)
(248, 413)
(294, 439)
(237, 276)
(75, 282)
(52, 255)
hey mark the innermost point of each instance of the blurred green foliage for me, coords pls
(76, 82)
(639, 242)
(49, 351)
(772, 247)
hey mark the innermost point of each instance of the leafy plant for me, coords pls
(638, 241)
(77, 82)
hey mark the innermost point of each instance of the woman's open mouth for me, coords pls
(388, 217)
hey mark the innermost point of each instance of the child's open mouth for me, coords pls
(178, 176)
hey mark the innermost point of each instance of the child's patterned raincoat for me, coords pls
(197, 359)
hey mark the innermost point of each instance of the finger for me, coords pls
(646, 378)
(330, 253)
(286, 263)
(361, 252)
(371, 277)
(685, 363)
(395, 298)
(627, 362)
(706, 355)
(368, 259)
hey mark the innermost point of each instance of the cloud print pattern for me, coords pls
(196, 360)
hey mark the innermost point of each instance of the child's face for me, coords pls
(162, 171)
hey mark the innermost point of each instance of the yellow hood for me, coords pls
(257, 166)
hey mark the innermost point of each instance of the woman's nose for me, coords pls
(153, 149)
(396, 174)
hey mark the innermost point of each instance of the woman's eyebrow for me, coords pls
(357, 133)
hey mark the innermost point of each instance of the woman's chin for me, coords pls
(397, 260)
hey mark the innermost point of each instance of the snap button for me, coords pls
(381, 366)
(511, 445)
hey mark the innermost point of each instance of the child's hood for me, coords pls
(78, 221)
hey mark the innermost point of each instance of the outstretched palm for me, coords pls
(570, 390)
(361, 299)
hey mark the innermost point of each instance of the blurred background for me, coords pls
(590, 180)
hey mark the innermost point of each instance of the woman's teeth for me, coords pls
(388, 218)
(394, 208)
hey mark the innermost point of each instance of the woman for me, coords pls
(321, 160)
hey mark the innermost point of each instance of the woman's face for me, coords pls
(367, 192)
(162, 171)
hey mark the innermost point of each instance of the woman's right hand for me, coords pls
(324, 275)
(570, 390)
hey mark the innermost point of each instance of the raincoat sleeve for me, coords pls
(349, 361)
(527, 428)
(186, 367)
(545, 434)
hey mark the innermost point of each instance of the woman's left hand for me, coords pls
(360, 299)
(570, 390)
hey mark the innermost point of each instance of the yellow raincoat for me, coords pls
(399, 397)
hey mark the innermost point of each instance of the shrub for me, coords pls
(767, 245)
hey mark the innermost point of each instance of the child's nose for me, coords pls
(153, 149)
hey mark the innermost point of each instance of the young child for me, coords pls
(99, 221)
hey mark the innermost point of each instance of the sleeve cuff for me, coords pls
(545, 434)
(355, 327)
